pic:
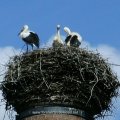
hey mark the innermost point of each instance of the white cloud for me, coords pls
(6, 53)
(113, 56)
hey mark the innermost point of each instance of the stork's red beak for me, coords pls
(19, 33)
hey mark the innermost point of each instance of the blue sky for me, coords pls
(98, 22)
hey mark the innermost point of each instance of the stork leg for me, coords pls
(27, 48)
(32, 46)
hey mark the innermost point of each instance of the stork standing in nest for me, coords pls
(29, 37)
(57, 41)
(73, 38)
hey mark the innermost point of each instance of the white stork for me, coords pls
(29, 37)
(73, 38)
(57, 41)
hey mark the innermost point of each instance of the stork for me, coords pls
(29, 37)
(57, 41)
(73, 38)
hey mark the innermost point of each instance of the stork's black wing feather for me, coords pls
(74, 41)
(67, 39)
(34, 39)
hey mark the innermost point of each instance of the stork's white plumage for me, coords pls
(73, 38)
(57, 41)
(29, 37)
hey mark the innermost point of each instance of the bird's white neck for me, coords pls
(58, 33)
(58, 37)
(25, 33)
(67, 30)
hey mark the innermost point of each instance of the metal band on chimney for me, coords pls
(53, 110)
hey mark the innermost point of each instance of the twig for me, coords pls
(91, 93)
(42, 72)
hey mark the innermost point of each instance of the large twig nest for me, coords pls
(65, 76)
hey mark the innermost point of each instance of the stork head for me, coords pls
(67, 30)
(25, 27)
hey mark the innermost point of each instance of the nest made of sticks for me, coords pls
(65, 76)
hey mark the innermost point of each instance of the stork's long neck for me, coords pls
(58, 34)
(24, 33)
(57, 37)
